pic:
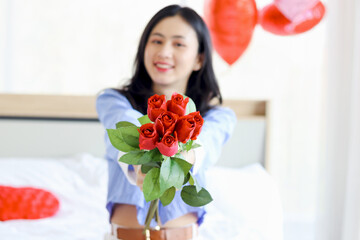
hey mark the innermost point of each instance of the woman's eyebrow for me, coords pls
(161, 35)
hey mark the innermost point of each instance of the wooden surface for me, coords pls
(47, 106)
(83, 107)
(247, 108)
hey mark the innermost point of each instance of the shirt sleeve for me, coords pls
(219, 124)
(112, 107)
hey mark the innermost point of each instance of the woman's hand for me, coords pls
(139, 176)
(188, 155)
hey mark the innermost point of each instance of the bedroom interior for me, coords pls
(296, 97)
(59, 136)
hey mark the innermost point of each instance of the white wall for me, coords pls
(80, 47)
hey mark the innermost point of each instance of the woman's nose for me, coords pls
(165, 51)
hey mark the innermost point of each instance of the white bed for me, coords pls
(39, 149)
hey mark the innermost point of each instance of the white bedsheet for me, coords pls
(246, 205)
(79, 183)
(250, 211)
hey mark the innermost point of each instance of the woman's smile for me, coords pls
(163, 66)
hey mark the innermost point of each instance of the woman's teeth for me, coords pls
(163, 65)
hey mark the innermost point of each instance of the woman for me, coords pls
(174, 55)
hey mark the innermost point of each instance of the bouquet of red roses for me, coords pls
(168, 130)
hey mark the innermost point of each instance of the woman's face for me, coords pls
(171, 54)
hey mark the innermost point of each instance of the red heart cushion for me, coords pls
(26, 203)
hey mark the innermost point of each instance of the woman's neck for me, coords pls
(168, 91)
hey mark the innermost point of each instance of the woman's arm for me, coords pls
(219, 124)
(113, 107)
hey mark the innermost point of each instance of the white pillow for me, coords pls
(246, 205)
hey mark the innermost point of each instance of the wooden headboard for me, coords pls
(71, 117)
(83, 107)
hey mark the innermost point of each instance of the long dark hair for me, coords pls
(202, 86)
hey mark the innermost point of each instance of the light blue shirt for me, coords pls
(113, 107)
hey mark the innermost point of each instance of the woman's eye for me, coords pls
(156, 41)
(179, 45)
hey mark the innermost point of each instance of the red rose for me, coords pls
(168, 145)
(165, 122)
(177, 104)
(148, 136)
(156, 105)
(185, 127)
(199, 123)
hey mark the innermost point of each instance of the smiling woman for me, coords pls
(173, 59)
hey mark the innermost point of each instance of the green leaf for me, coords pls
(171, 174)
(191, 145)
(135, 157)
(187, 178)
(188, 145)
(124, 124)
(155, 155)
(144, 119)
(193, 198)
(146, 167)
(196, 145)
(185, 166)
(190, 107)
(193, 181)
(168, 196)
(181, 148)
(138, 157)
(151, 185)
(130, 136)
(117, 140)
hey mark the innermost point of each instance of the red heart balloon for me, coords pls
(26, 203)
(272, 20)
(231, 24)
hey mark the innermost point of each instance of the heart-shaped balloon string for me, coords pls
(26, 203)
(302, 20)
(231, 24)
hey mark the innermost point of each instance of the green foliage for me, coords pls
(193, 198)
(193, 181)
(168, 196)
(130, 136)
(146, 167)
(155, 155)
(151, 185)
(124, 124)
(187, 178)
(190, 107)
(171, 174)
(133, 157)
(195, 145)
(190, 145)
(185, 166)
(138, 157)
(118, 141)
(144, 119)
